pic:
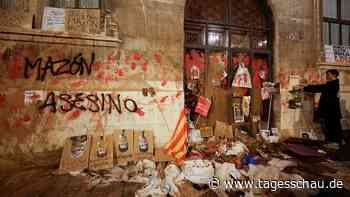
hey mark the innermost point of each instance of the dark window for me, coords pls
(228, 24)
(336, 22)
(75, 3)
(7, 4)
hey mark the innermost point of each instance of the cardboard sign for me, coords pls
(75, 155)
(143, 144)
(207, 131)
(223, 130)
(123, 145)
(53, 19)
(101, 152)
(203, 106)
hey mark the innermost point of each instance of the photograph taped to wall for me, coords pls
(143, 144)
(238, 110)
(75, 155)
(79, 145)
(101, 154)
(246, 106)
(123, 145)
(238, 113)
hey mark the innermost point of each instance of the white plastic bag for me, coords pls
(242, 78)
(198, 171)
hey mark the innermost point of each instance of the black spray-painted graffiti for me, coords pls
(59, 67)
(90, 102)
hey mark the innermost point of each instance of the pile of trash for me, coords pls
(214, 157)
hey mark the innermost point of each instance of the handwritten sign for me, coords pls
(53, 19)
(337, 54)
(203, 106)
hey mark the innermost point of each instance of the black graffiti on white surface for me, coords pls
(88, 102)
(77, 65)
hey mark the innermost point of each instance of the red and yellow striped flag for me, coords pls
(177, 146)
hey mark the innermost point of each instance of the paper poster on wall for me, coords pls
(53, 19)
(32, 96)
(203, 106)
(337, 54)
(329, 53)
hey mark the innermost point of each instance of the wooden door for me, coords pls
(217, 88)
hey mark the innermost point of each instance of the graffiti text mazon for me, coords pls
(77, 65)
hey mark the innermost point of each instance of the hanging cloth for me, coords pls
(242, 78)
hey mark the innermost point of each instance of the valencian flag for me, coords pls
(177, 146)
(203, 106)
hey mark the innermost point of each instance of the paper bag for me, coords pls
(161, 156)
(123, 145)
(242, 77)
(143, 144)
(207, 131)
(223, 130)
(75, 155)
(101, 152)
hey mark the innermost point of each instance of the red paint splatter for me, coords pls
(133, 66)
(126, 60)
(225, 61)
(120, 72)
(235, 61)
(15, 67)
(111, 58)
(136, 56)
(97, 66)
(74, 115)
(100, 75)
(163, 83)
(55, 82)
(157, 57)
(246, 59)
(193, 58)
(2, 99)
(259, 66)
(140, 112)
(163, 99)
(109, 77)
(26, 118)
(78, 83)
(144, 66)
(14, 109)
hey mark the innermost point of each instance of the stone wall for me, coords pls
(56, 85)
(149, 56)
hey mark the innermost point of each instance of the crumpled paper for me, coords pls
(153, 188)
(194, 136)
(146, 167)
(281, 164)
(226, 171)
(198, 171)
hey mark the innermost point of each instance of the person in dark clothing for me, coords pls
(329, 106)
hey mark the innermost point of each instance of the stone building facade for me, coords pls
(56, 84)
